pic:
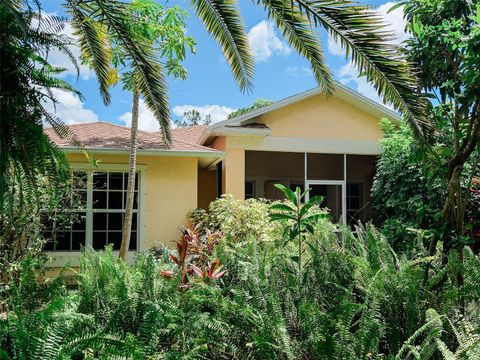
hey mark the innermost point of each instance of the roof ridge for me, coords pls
(286, 101)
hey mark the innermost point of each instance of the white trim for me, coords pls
(105, 167)
(239, 131)
(341, 90)
(60, 258)
(310, 145)
(149, 152)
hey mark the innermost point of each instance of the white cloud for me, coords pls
(265, 42)
(395, 20)
(334, 47)
(69, 108)
(295, 71)
(395, 24)
(146, 119)
(217, 112)
(59, 59)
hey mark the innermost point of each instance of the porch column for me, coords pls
(234, 173)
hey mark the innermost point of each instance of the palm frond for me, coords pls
(147, 70)
(222, 19)
(301, 35)
(360, 30)
(95, 47)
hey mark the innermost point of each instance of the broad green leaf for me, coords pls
(289, 194)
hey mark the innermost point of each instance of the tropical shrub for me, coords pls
(238, 219)
(403, 194)
(28, 223)
(355, 298)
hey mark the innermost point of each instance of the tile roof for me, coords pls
(190, 134)
(105, 135)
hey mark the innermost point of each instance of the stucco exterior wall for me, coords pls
(323, 118)
(171, 192)
(233, 167)
(315, 125)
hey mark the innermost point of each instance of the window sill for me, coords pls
(59, 259)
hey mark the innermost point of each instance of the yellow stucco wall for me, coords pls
(323, 118)
(171, 192)
(233, 167)
(314, 125)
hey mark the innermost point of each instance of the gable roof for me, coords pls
(107, 136)
(239, 124)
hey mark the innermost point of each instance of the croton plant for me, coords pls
(193, 259)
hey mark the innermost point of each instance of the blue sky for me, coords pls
(210, 87)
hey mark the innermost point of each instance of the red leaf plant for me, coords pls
(212, 272)
(193, 258)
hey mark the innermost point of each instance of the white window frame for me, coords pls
(72, 257)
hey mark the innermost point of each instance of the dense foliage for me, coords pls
(241, 298)
(404, 196)
(444, 47)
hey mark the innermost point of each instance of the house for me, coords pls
(307, 140)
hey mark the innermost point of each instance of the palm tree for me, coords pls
(156, 29)
(26, 82)
(358, 28)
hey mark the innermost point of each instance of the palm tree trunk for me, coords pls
(132, 167)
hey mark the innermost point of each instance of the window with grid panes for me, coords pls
(101, 217)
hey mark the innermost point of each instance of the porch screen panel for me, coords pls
(325, 166)
(332, 198)
(360, 174)
(264, 169)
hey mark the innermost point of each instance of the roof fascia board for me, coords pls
(341, 90)
(152, 152)
(239, 131)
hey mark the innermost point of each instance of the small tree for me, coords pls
(445, 49)
(295, 214)
(193, 118)
(161, 30)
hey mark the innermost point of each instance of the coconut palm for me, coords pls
(358, 28)
(26, 81)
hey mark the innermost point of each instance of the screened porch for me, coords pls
(344, 180)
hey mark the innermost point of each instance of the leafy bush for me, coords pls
(26, 224)
(238, 219)
(353, 298)
(403, 194)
